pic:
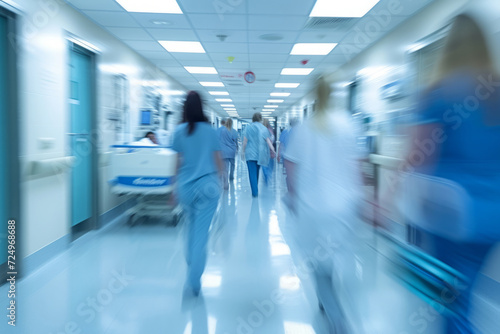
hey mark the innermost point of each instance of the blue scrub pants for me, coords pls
(228, 171)
(253, 174)
(199, 200)
(268, 171)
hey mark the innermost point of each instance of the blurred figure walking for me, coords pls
(257, 148)
(268, 170)
(229, 145)
(456, 140)
(199, 163)
(321, 163)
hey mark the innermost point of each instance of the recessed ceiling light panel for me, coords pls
(211, 84)
(181, 46)
(296, 71)
(151, 6)
(280, 94)
(200, 70)
(352, 8)
(271, 106)
(313, 49)
(287, 85)
(218, 93)
(275, 101)
(223, 100)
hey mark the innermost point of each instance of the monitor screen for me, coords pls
(146, 117)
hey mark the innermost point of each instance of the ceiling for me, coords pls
(259, 34)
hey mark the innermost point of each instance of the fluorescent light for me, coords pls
(211, 84)
(234, 109)
(151, 6)
(280, 94)
(223, 100)
(268, 110)
(227, 105)
(313, 49)
(352, 8)
(266, 113)
(287, 85)
(271, 106)
(218, 93)
(181, 46)
(275, 101)
(200, 70)
(296, 71)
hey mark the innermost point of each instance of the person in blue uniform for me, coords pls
(457, 138)
(229, 145)
(199, 166)
(257, 148)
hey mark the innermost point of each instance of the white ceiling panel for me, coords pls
(225, 47)
(186, 62)
(280, 7)
(173, 34)
(273, 22)
(112, 19)
(214, 22)
(137, 34)
(164, 21)
(96, 4)
(145, 45)
(231, 36)
(213, 6)
(257, 65)
(174, 70)
(400, 7)
(270, 48)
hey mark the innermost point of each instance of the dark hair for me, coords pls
(193, 111)
(149, 133)
(257, 117)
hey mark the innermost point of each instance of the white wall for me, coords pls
(43, 67)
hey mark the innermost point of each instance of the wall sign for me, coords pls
(250, 77)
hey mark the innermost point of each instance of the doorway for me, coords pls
(82, 139)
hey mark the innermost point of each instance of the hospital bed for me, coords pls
(146, 173)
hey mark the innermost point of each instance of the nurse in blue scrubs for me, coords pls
(459, 131)
(257, 148)
(199, 166)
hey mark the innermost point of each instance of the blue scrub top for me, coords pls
(229, 143)
(470, 148)
(197, 151)
(257, 148)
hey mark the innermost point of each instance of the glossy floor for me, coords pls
(130, 280)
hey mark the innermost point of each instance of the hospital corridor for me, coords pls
(249, 167)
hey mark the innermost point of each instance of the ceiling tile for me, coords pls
(225, 47)
(221, 57)
(112, 19)
(145, 45)
(186, 57)
(173, 34)
(258, 36)
(219, 7)
(156, 55)
(96, 5)
(273, 58)
(321, 36)
(169, 21)
(214, 22)
(281, 7)
(232, 36)
(273, 22)
(275, 48)
(137, 34)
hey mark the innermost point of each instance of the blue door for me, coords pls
(4, 161)
(80, 129)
